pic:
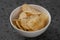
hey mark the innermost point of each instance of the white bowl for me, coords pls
(27, 33)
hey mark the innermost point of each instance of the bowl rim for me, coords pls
(31, 31)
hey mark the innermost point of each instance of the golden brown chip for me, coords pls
(39, 22)
(22, 15)
(28, 14)
(14, 22)
(17, 23)
(23, 24)
(27, 8)
(43, 21)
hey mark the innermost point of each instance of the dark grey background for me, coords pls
(7, 32)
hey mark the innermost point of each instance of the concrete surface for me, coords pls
(7, 32)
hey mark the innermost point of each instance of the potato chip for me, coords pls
(27, 8)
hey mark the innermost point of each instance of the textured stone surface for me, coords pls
(8, 33)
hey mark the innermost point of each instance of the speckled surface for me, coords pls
(7, 32)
